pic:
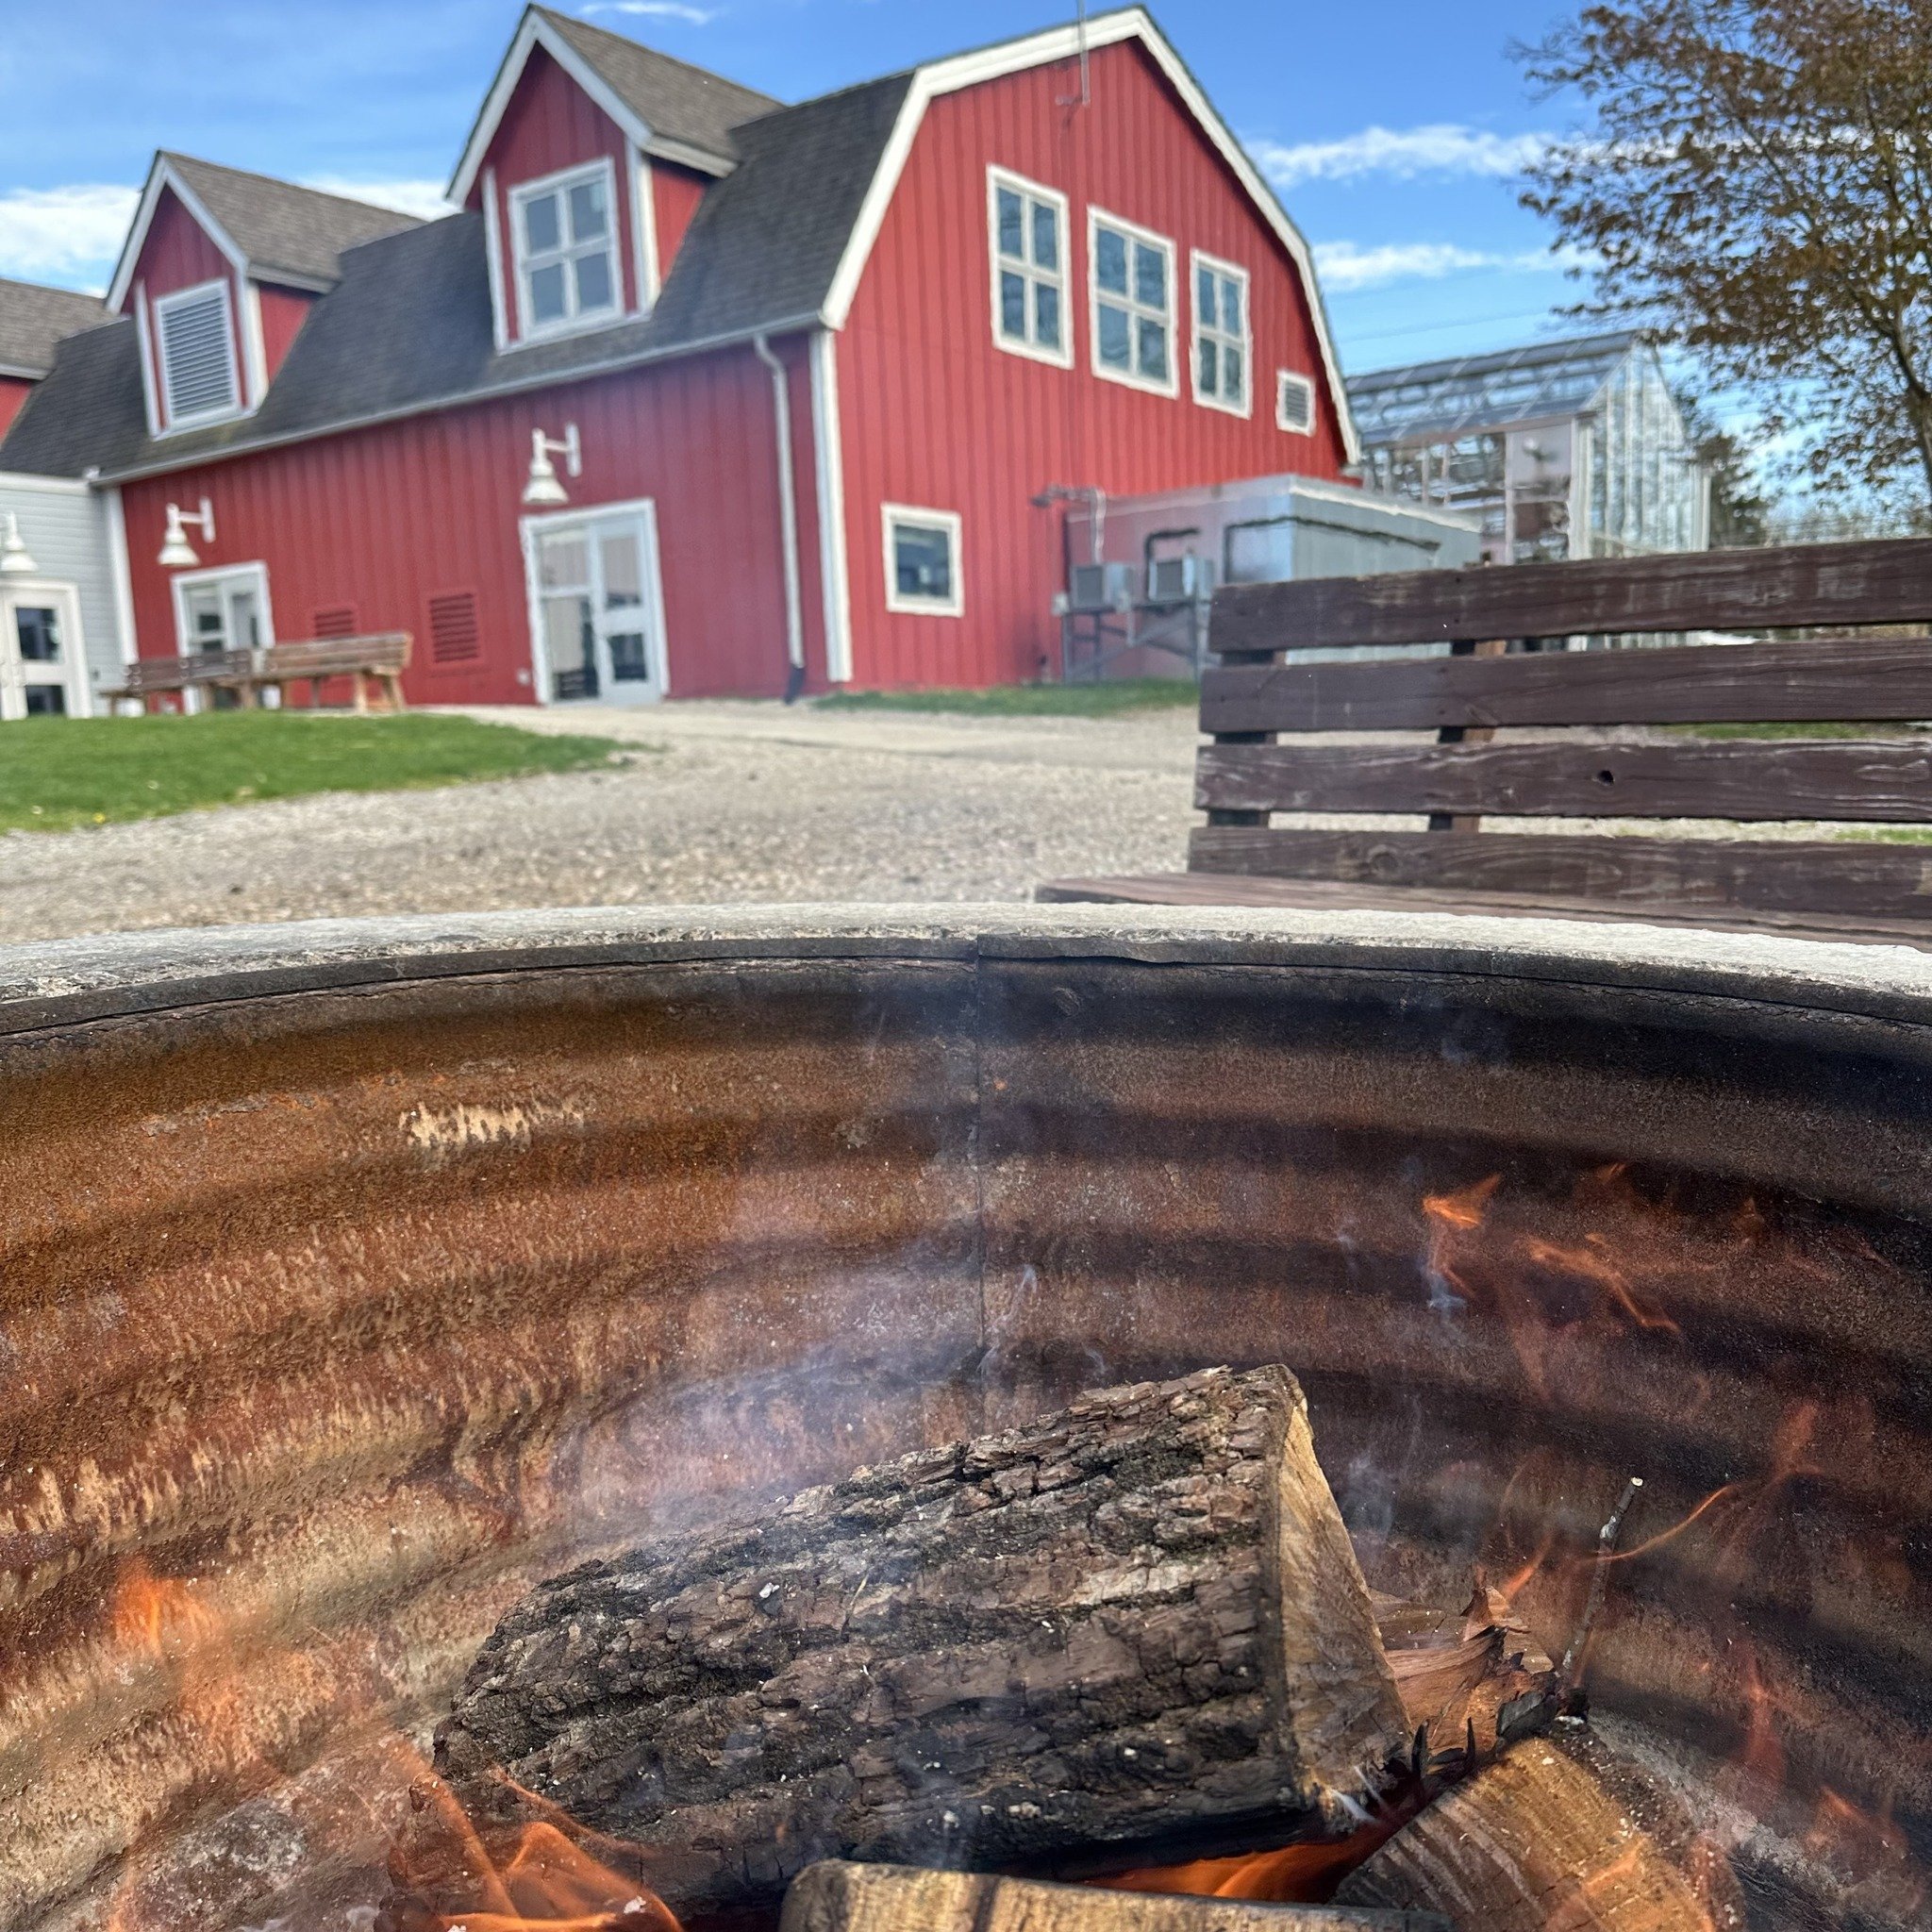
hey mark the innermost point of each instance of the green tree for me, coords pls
(1756, 184)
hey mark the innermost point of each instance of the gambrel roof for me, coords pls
(777, 245)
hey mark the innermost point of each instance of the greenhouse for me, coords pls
(1562, 449)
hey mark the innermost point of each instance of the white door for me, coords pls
(221, 610)
(596, 600)
(43, 666)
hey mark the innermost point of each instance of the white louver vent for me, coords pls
(197, 353)
(1294, 403)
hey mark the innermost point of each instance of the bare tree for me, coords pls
(1757, 185)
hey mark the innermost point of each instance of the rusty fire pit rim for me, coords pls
(73, 981)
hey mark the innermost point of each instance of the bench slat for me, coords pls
(1847, 878)
(1860, 679)
(1808, 779)
(1329, 895)
(1887, 581)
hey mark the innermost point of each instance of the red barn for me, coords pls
(698, 393)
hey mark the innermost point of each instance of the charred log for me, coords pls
(1119, 1627)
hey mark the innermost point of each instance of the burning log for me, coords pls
(834, 1896)
(1137, 1624)
(1557, 1835)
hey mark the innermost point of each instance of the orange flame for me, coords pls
(1464, 1210)
(1293, 1874)
(1590, 1263)
(552, 1882)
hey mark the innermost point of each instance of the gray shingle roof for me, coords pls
(674, 100)
(33, 319)
(408, 326)
(283, 229)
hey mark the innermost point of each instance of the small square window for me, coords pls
(922, 562)
(567, 267)
(1025, 227)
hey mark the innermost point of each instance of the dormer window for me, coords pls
(566, 250)
(200, 380)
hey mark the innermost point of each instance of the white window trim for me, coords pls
(528, 331)
(1098, 218)
(176, 298)
(947, 520)
(996, 178)
(1283, 378)
(1232, 271)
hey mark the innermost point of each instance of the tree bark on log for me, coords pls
(1120, 1627)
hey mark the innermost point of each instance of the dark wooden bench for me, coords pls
(381, 658)
(1844, 886)
(147, 678)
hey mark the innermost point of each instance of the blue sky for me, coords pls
(1391, 127)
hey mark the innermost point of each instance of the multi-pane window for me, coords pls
(1221, 335)
(1132, 276)
(196, 342)
(1029, 234)
(563, 231)
(1294, 403)
(922, 562)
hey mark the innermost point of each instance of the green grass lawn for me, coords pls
(1029, 700)
(55, 773)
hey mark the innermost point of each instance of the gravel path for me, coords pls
(716, 804)
(721, 802)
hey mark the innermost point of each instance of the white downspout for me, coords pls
(787, 518)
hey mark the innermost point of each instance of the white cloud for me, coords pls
(1443, 148)
(656, 10)
(64, 234)
(1345, 265)
(408, 197)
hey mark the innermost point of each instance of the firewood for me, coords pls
(1557, 1835)
(1135, 1624)
(1472, 1682)
(834, 1896)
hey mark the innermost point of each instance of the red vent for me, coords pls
(453, 635)
(337, 622)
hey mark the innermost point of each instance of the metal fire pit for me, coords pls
(352, 1275)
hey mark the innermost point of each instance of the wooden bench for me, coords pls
(1844, 886)
(147, 678)
(381, 659)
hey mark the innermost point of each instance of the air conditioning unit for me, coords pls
(1175, 580)
(1100, 587)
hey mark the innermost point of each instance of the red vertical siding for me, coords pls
(675, 195)
(385, 518)
(14, 391)
(551, 124)
(935, 415)
(283, 313)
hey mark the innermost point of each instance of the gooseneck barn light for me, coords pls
(176, 552)
(14, 561)
(543, 492)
